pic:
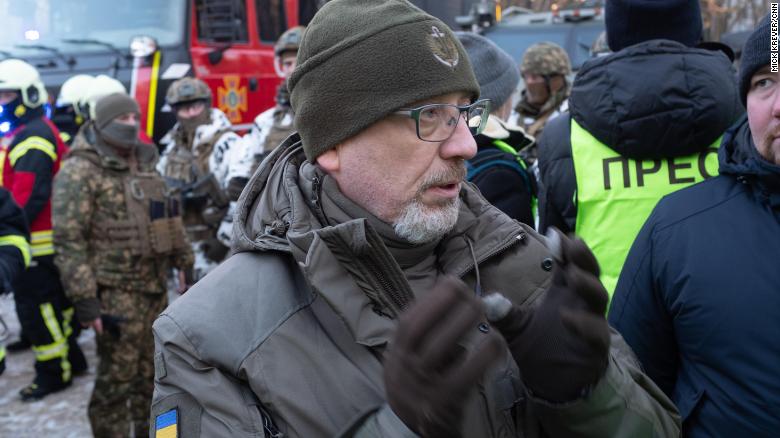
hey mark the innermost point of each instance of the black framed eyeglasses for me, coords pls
(436, 122)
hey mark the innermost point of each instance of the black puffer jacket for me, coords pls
(657, 99)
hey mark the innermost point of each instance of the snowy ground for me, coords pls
(62, 414)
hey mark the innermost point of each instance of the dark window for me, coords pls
(271, 19)
(307, 9)
(221, 21)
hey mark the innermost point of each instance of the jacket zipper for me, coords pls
(387, 287)
(509, 243)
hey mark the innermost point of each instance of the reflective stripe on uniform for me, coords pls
(20, 243)
(615, 194)
(33, 142)
(2, 352)
(42, 243)
(67, 317)
(58, 348)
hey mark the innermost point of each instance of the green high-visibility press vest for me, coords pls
(615, 195)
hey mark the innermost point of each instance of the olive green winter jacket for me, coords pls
(287, 335)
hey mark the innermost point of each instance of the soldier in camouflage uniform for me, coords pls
(273, 126)
(544, 68)
(196, 164)
(117, 235)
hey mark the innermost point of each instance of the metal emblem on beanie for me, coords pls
(443, 47)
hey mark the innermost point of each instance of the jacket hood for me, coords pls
(264, 210)
(656, 99)
(739, 157)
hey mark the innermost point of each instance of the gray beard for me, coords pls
(419, 224)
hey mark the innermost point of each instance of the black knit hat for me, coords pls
(361, 60)
(496, 71)
(112, 106)
(630, 22)
(755, 54)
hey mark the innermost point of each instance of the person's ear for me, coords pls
(329, 160)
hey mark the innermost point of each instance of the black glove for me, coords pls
(87, 310)
(428, 376)
(235, 187)
(111, 324)
(562, 346)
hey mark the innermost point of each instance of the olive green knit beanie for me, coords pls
(361, 60)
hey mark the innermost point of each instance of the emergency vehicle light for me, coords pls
(142, 46)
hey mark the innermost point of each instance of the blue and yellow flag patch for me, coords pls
(166, 424)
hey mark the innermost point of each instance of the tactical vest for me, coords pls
(615, 194)
(279, 129)
(187, 166)
(153, 226)
(183, 169)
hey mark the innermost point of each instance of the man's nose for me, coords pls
(776, 102)
(460, 145)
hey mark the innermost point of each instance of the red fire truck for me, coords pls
(148, 44)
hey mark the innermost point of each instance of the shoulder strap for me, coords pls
(489, 158)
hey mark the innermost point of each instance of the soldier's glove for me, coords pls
(111, 324)
(213, 215)
(87, 310)
(562, 345)
(428, 375)
(235, 187)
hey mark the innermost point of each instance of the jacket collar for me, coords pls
(88, 145)
(348, 263)
(739, 157)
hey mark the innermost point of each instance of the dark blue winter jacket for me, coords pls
(699, 296)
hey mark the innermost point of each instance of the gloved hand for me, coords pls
(235, 187)
(87, 310)
(428, 376)
(562, 345)
(111, 324)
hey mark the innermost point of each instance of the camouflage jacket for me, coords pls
(89, 190)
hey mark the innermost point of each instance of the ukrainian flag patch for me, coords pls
(166, 424)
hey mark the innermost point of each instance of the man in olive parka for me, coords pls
(352, 304)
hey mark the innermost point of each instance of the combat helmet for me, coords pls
(546, 59)
(188, 89)
(290, 40)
